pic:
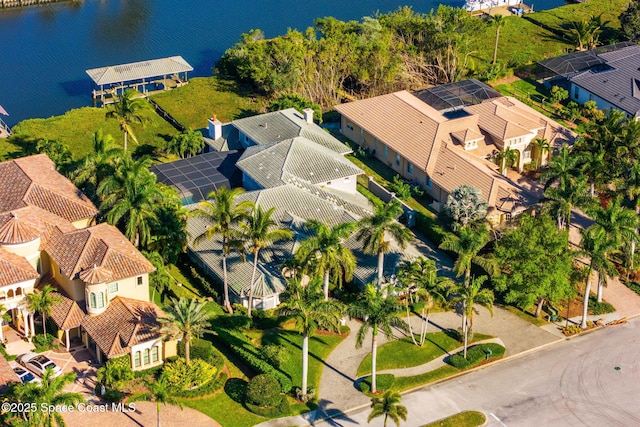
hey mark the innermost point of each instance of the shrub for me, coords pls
(429, 228)
(6, 355)
(263, 390)
(558, 94)
(598, 308)
(280, 410)
(185, 377)
(207, 389)
(274, 354)
(113, 395)
(199, 349)
(475, 355)
(115, 375)
(574, 329)
(43, 343)
(383, 382)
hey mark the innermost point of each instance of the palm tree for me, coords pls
(497, 21)
(506, 158)
(389, 406)
(97, 165)
(469, 297)
(467, 245)
(312, 312)
(563, 199)
(49, 393)
(594, 167)
(379, 312)
(562, 168)
(541, 146)
(127, 109)
(258, 231)
(373, 230)
(323, 251)
(223, 215)
(186, 143)
(158, 391)
(131, 197)
(43, 302)
(185, 319)
(597, 245)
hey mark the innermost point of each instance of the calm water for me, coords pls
(44, 51)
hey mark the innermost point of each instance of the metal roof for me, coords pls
(581, 60)
(458, 94)
(139, 70)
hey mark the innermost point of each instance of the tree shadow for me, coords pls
(324, 413)
(236, 389)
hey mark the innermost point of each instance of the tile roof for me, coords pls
(34, 180)
(270, 165)
(66, 313)
(504, 121)
(101, 245)
(15, 269)
(16, 230)
(37, 219)
(7, 376)
(125, 322)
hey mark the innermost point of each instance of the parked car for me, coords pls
(25, 376)
(38, 363)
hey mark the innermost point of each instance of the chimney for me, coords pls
(308, 115)
(215, 128)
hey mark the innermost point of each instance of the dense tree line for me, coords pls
(334, 59)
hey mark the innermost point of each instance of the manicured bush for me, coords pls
(428, 226)
(475, 355)
(598, 308)
(206, 390)
(203, 350)
(43, 343)
(383, 382)
(263, 390)
(184, 377)
(274, 354)
(281, 410)
(234, 341)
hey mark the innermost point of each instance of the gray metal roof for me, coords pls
(457, 94)
(139, 70)
(271, 165)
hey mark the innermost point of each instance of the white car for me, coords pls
(38, 363)
(25, 376)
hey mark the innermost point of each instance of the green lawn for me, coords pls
(461, 419)
(75, 129)
(192, 104)
(407, 383)
(403, 353)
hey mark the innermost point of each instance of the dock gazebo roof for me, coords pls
(139, 70)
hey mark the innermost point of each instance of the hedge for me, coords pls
(475, 355)
(429, 228)
(383, 382)
(257, 364)
(281, 410)
(204, 350)
(6, 355)
(206, 390)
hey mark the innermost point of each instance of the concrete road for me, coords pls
(592, 380)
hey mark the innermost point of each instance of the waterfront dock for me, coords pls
(502, 10)
(20, 3)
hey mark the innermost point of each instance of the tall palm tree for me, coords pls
(258, 231)
(389, 406)
(49, 393)
(43, 303)
(186, 143)
(131, 197)
(311, 312)
(506, 158)
(593, 166)
(379, 313)
(223, 215)
(562, 168)
(467, 245)
(325, 254)
(497, 21)
(158, 391)
(619, 223)
(469, 297)
(597, 245)
(541, 147)
(127, 109)
(97, 165)
(185, 319)
(373, 230)
(561, 200)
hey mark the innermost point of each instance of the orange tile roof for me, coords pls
(34, 180)
(15, 269)
(35, 218)
(125, 322)
(101, 245)
(7, 376)
(16, 230)
(66, 313)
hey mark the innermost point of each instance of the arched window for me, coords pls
(145, 359)
(100, 300)
(18, 291)
(92, 300)
(10, 293)
(136, 360)
(154, 353)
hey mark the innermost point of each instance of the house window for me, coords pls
(350, 127)
(100, 300)
(136, 360)
(397, 159)
(409, 168)
(92, 300)
(139, 280)
(427, 181)
(154, 353)
(385, 151)
(145, 359)
(576, 92)
(113, 288)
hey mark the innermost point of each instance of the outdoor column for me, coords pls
(1, 333)
(66, 336)
(25, 320)
(32, 315)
